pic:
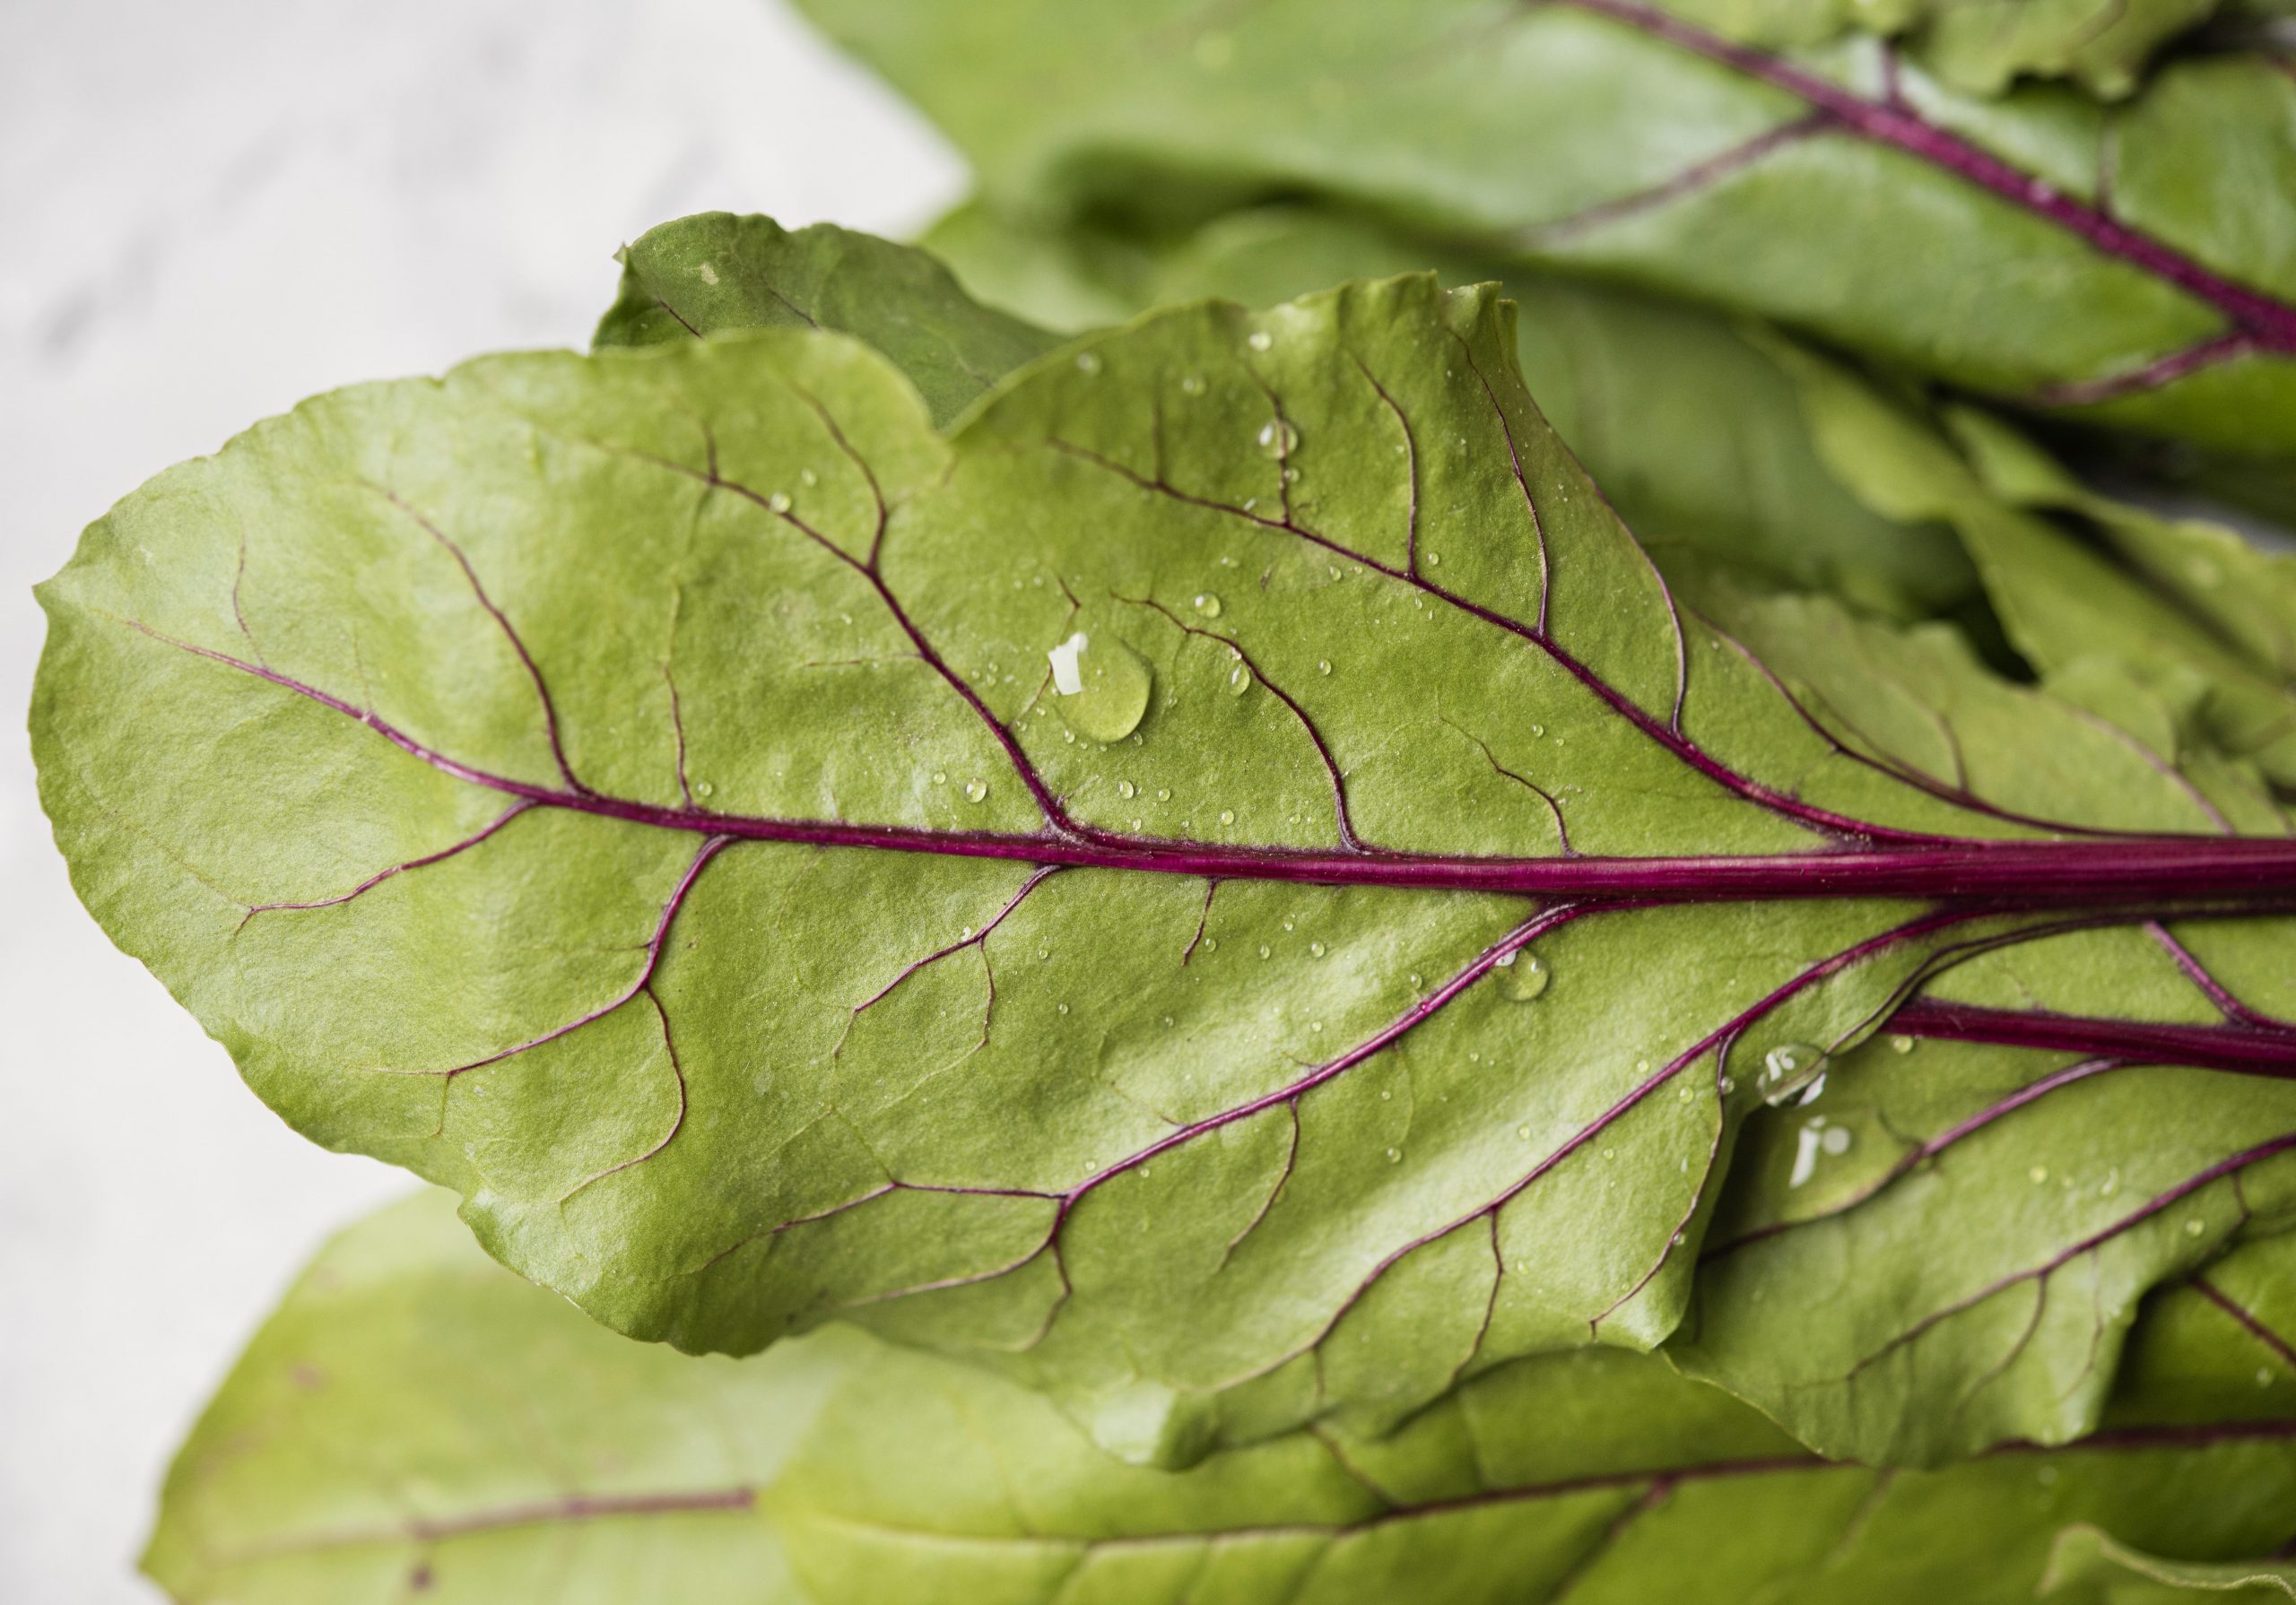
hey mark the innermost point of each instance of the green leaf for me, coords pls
(2128, 264)
(717, 271)
(643, 792)
(2190, 613)
(416, 1420)
(2087, 1556)
(1695, 432)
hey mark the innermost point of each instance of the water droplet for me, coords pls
(2038, 1174)
(2110, 1184)
(1136, 822)
(1124, 788)
(1102, 686)
(1318, 948)
(2264, 1376)
(1676, 1239)
(975, 790)
(1192, 384)
(1434, 559)
(1167, 1023)
(940, 778)
(1207, 605)
(1727, 1085)
(778, 502)
(1788, 1059)
(1226, 816)
(1043, 954)
(1088, 363)
(1610, 1153)
(1414, 981)
(1323, 665)
(1278, 438)
(1163, 794)
(702, 788)
(1260, 340)
(1063, 1008)
(1239, 681)
(1836, 1139)
(1385, 1095)
(1538, 729)
(1315, 1024)
(1394, 1156)
(1524, 1132)
(1525, 980)
(1210, 944)
(1287, 925)
(808, 478)
(1263, 949)
(2194, 1227)
(1901, 1045)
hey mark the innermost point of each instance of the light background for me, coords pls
(208, 211)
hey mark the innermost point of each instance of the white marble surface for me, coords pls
(211, 211)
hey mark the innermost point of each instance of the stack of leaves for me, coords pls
(1352, 1028)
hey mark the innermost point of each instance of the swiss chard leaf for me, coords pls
(2126, 265)
(717, 271)
(1695, 432)
(415, 1419)
(2087, 1555)
(1083, 890)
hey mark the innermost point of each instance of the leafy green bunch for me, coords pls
(1606, 914)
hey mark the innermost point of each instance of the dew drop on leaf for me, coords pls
(778, 502)
(975, 790)
(940, 778)
(1239, 681)
(1526, 978)
(1102, 687)
(1836, 1140)
(1124, 788)
(1263, 949)
(702, 788)
(1260, 340)
(2194, 1227)
(1207, 605)
(1226, 816)
(1394, 1156)
(1277, 439)
(1901, 1045)
(2038, 1174)
(1192, 384)
(1088, 363)
(1788, 1059)
(1323, 665)
(1317, 948)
